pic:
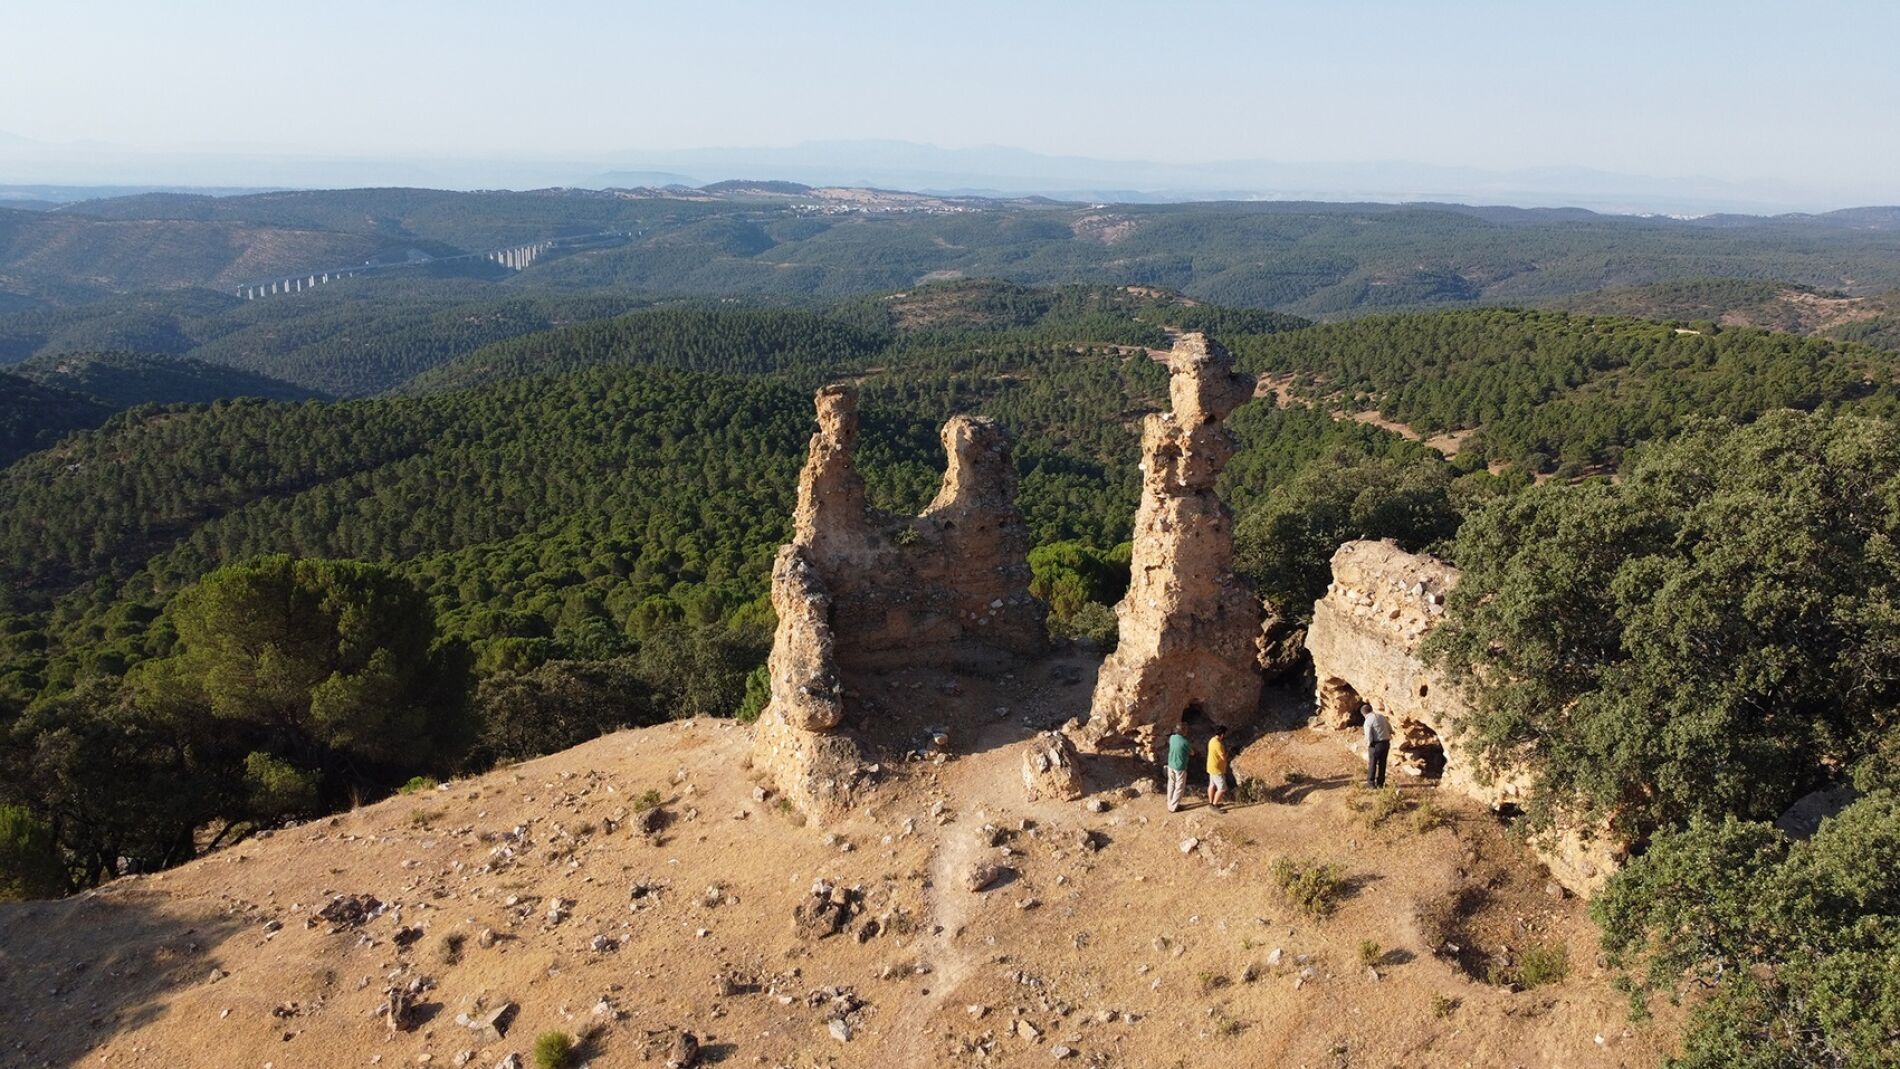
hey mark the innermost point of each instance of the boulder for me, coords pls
(1052, 768)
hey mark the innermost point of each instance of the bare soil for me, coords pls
(1131, 948)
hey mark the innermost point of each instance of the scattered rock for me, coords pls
(986, 875)
(825, 911)
(840, 1029)
(351, 911)
(685, 1053)
(492, 1027)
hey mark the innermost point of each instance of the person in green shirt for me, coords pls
(1180, 751)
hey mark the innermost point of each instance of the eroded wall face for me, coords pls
(1188, 626)
(1364, 641)
(860, 591)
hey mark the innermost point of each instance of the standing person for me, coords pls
(1378, 744)
(1217, 768)
(1179, 751)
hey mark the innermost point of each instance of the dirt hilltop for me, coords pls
(1111, 934)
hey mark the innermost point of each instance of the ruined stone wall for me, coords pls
(1364, 642)
(860, 590)
(1188, 626)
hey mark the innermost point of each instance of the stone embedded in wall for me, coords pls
(1364, 641)
(859, 590)
(1188, 627)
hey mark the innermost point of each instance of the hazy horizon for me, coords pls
(1622, 106)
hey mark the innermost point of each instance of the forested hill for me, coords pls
(1324, 260)
(608, 437)
(122, 380)
(1542, 389)
(1873, 319)
(48, 398)
(33, 416)
(811, 344)
(351, 338)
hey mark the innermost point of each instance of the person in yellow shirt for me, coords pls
(1217, 768)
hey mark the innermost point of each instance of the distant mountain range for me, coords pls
(983, 170)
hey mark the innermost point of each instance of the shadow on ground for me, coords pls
(76, 972)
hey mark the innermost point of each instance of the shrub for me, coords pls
(558, 705)
(1248, 790)
(1370, 952)
(1091, 622)
(1542, 963)
(1374, 808)
(277, 788)
(29, 858)
(1539, 964)
(1285, 542)
(554, 1050)
(1425, 816)
(417, 784)
(1313, 887)
(758, 694)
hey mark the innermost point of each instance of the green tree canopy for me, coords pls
(1800, 941)
(332, 666)
(1708, 637)
(1285, 543)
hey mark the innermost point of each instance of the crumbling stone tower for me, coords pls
(1187, 625)
(859, 590)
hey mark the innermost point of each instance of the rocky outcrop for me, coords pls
(1188, 626)
(1364, 641)
(858, 590)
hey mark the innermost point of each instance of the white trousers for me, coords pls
(1177, 787)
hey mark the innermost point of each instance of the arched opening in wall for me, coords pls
(1420, 752)
(1338, 703)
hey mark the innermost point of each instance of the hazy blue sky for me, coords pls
(1803, 92)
